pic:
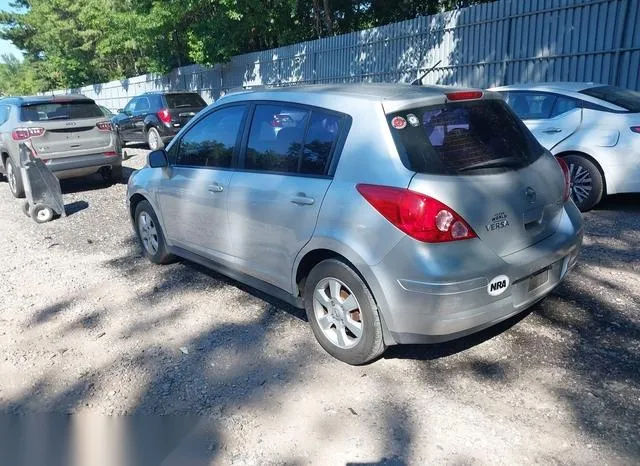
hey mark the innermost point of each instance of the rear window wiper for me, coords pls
(495, 163)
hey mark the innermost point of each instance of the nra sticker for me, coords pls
(399, 122)
(498, 285)
(413, 120)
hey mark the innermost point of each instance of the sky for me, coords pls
(7, 47)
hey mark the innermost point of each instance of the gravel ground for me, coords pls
(89, 327)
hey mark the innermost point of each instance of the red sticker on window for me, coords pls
(399, 122)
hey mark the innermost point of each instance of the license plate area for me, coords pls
(538, 279)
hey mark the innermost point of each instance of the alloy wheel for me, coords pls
(581, 182)
(337, 312)
(148, 233)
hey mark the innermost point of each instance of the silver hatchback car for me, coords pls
(391, 213)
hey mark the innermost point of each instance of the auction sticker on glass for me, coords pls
(399, 122)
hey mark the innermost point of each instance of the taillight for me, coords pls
(104, 126)
(635, 129)
(419, 216)
(567, 179)
(22, 134)
(111, 154)
(164, 116)
(464, 95)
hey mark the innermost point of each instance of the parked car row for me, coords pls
(391, 213)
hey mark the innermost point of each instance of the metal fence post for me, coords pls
(615, 72)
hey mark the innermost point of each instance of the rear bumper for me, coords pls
(435, 293)
(167, 133)
(79, 164)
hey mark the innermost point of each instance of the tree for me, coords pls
(71, 43)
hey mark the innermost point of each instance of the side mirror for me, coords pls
(158, 159)
(120, 110)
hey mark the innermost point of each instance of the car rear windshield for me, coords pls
(43, 111)
(460, 137)
(625, 98)
(184, 100)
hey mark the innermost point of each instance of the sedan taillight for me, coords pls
(419, 216)
(635, 129)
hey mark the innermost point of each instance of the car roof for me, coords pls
(570, 89)
(36, 99)
(169, 92)
(339, 96)
(550, 86)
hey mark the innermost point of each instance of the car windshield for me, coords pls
(70, 110)
(184, 100)
(463, 136)
(625, 98)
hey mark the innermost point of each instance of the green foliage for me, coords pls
(71, 43)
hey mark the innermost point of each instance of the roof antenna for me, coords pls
(418, 81)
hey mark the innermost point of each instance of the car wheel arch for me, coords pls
(312, 256)
(590, 159)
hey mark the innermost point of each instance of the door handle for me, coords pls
(301, 199)
(552, 130)
(215, 188)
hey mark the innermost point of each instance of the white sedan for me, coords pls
(595, 128)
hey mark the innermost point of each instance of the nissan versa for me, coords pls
(392, 214)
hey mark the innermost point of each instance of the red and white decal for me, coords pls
(399, 122)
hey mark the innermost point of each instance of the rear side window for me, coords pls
(319, 142)
(532, 105)
(184, 100)
(211, 141)
(60, 111)
(459, 137)
(625, 98)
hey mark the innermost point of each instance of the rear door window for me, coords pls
(184, 100)
(532, 105)
(459, 137)
(563, 105)
(4, 114)
(276, 138)
(70, 110)
(142, 105)
(211, 141)
(625, 98)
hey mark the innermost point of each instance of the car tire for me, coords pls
(154, 141)
(150, 235)
(587, 184)
(15, 179)
(346, 325)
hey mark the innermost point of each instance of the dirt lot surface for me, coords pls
(89, 327)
